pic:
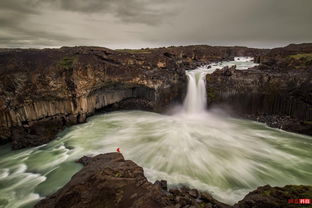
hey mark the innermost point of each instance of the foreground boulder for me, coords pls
(109, 181)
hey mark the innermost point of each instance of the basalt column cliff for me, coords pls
(41, 91)
(277, 92)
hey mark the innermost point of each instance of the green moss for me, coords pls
(210, 92)
(208, 77)
(135, 50)
(267, 193)
(308, 122)
(118, 175)
(202, 204)
(290, 191)
(211, 95)
(271, 87)
(66, 62)
(306, 56)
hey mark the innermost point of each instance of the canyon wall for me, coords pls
(42, 91)
(277, 92)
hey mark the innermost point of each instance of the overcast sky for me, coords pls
(153, 23)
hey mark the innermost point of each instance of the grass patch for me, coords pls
(134, 50)
(118, 175)
(290, 191)
(308, 122)
(306, 56)
(66, 62)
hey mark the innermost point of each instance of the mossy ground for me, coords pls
(134, 50)
(308, 122)
(307, 56)
(67, 62)
(291, 191)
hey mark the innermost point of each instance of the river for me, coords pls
(191, 146)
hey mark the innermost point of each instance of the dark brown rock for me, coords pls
(268, 197)
(162, 184)
(108, 180)
(277, 92)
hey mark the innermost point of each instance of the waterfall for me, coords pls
(195, 101)
(196, 98)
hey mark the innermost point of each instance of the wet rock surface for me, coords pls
(107, 180)
(283, 122)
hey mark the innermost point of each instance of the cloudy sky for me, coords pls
(153, 23)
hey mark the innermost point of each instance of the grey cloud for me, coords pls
(137, 11)
(15, 15)
(154, 22)
(270, 22)
(22, 6)
(133, 11)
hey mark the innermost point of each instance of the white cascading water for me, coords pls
(196, 99)
(224, 156)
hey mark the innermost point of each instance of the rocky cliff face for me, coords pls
(278, 91)
(41, 91)
(108, 180)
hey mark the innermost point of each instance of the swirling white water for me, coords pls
(225, 156)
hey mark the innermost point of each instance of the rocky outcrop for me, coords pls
(286, 197)
(42, 91)
(283, 58)
(108, 180)
(277, 92)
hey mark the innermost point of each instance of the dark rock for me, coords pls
(278, 92)
(85, 160)
(36, 133)
(162, 184)
(268, 197)
(226, 71)
(193, 193)
(108, 180)
(283, 122)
